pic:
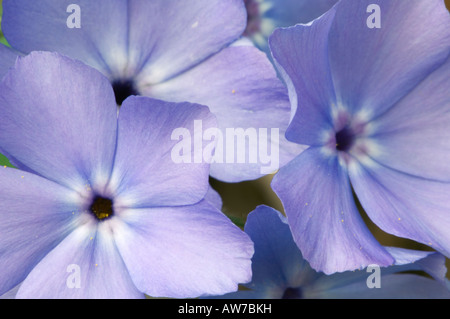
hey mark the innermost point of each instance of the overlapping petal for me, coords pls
(279, 270)
(326, 225)
(373, 68)
(241, 88)
(267, 15)
(413, 136)
(7, 59)
(59, 119)
(301, 54)
(36, 214)
(86, 264)
(119, 38)
(404, 205)
(145, 173)
(277, 263)
(183, 251)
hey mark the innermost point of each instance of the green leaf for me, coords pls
(5, 162)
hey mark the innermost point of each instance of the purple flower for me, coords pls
(97, 208)
(179, 50)
(279, 270)
(264, 16)
(373, 106)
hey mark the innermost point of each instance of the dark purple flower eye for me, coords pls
(123, 89)
(344, 139)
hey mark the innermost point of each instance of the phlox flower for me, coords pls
(373, 106)
(280, 272)
(96, 207)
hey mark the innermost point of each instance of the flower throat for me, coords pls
(123, 89)
(102, 208)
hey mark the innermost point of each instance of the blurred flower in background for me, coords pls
(280, 272)
(264, 16)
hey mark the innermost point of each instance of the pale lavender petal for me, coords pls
(35, 215)
(375, 67)
(11, 294)
(413, 136)
(126, 37)
(213, 197)
(148, 169)
(181, 34)
(242, 90)
(7, 59)
(184, 251)
(324, 220)
(404, 205)
(431, 262)
(100, 40)
(301, 55)
(85, 265)
(59, 119)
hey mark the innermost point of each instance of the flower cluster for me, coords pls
(116, 115)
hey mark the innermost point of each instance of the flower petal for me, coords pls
(100, 41)
(123, 38)
(404, 205)
(324, 220)
(277, 263)
(181, 35)
(431, 262)
(413, 135)
(242, 90)
(213, 197)
(59, 119)
(7, 59)
(285, 13)
(147, 171)
(85, 265)
(184, 251)
(35, 215)
(374, 67)
(301, 54)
